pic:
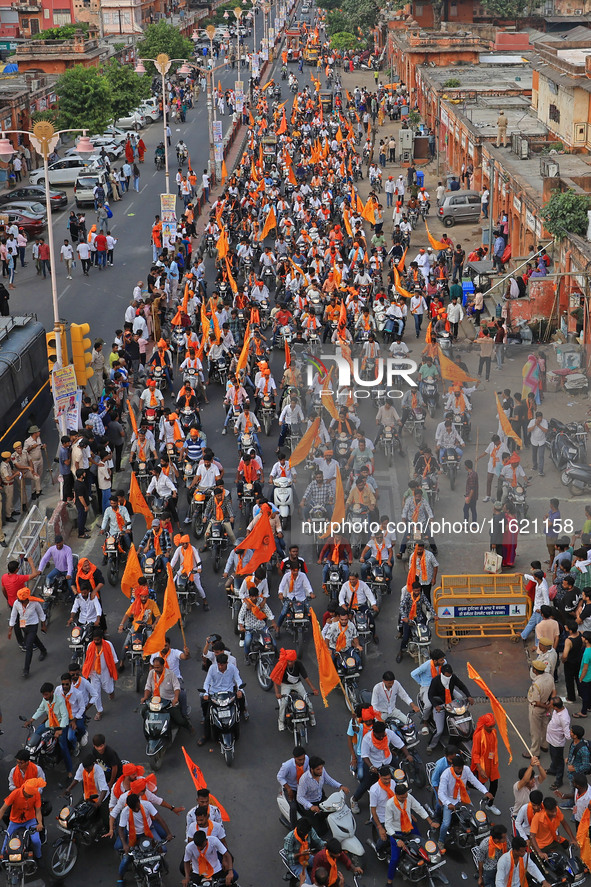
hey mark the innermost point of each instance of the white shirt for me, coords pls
(66, 251)
(99, 778)
(88, 610)
(522, 823)
(214, 846)
(504, 867)
(214, 830)
(75, 698)
(364, 594)
(173, 658)
(301, 587)
(447, 785)
(377, 799)
(217, 681)
(537, 433)
(392, 820)
(384, 700)
(377, 757)
(162, 486)
(138, 821)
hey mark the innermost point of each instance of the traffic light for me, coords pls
(81, 352)
(51, 347)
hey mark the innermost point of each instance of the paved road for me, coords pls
(248, 790)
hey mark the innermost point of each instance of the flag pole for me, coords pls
(183, 632)
(517, 731)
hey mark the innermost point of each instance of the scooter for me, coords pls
(577, 478)
(283, 499)
(224, 719)
(340, 822)
(159, 729)
(567, 443)
(264, 655)
(459, 722)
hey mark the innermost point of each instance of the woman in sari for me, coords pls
(510, 536)
(532, 379)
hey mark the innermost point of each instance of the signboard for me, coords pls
(480, 611)
(169, 219)
(73, 416)
(218, 132)
(64, 388)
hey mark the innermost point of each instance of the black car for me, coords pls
(36, 193)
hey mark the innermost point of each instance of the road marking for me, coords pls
(64, 291)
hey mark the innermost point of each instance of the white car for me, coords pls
(135, 120)
(149, 108)
(62, 172)
(112, 146)
(114, 133)
(85, 185)
(95, 159)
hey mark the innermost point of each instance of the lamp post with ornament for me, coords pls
(163, 63)
(238, 13)
(44, 139)
(211, 112)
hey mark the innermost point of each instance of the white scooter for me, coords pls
(339, 820)
(283, 498)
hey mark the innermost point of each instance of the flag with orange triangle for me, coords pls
(498, 710)
(283, 125)
(137, 501)
(450, 370)
(305, 444)
(436, 244)
(369, 212)
(270, 223)
(132, 572)
(171, 614)
(328, 678)
(199, 782)
(505, 423)
(224, 171)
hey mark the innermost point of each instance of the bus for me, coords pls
(25, 387)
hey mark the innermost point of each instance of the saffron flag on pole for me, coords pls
(498, 710)
(243, 358)
(199, 782)
(451, 371)
(262, 541)
(171, 614)
(305, 445)
(270, 222)
(327, 673)
(505, 424)
(338, 511)
(137, 501)
(132, 572)
(132, 418)
(436, 244)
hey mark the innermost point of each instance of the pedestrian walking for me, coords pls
(539, 697)
(136, 177)
(29, 613)
(82, 504)
(44, 258)
(67, 256)
(471, 492)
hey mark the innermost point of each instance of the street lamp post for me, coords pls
(162, 63)
(211, 113)
(238, 13)
(44, 139)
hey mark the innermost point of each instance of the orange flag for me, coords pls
(436, 244)
(132, 418)
(400, 265)
(505, 424)
(498, 710)
(283, 125)
(368, 212)
(305, 445)
(222, 244)
(215, 321)
(224, 171)
(338, 512)
(451, 371)
(199, 782)
(243, 358)
(348, 228)
(171, 614)
(291, 176)
(270, 222)
(328, 678)
(132, 572)
(137, 501)
(339, 134)
(250, 118)
(342, 315)
(262, 542)
(328, 403)
(287, 354)
(398, 286)
(231, 281)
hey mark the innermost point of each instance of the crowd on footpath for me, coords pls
(301, 261)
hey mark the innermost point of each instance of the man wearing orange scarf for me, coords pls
(25, 811)
(328, 859)
(453, 790)
(155, 543)
(401, 809)
(485, 755)
(116, 521)
(142, 612)
(287, 676)
(414, 607)
(151, 397)
(188, 561)
(136, 823)
(52, 709)
(442, 690)
(514, 866)
(205, 857)
(376, 753)
(100, 668)
(424, 566)
(299, 846)
(341, 636)
(254, 615)
(418, 516)
(94, 785)
(544, 835)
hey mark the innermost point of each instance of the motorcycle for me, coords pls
(264, 656)
(421, 860)
(283, 499)
(468, 827)
(378, 582)
(419, 642)
(157, 374)
(335, 580)
(133, 651)
(17, 860)
(517, 497)
(416, 424)
(340, 822)
(148, 861)
(430, 395)
(390, 441)
(188, 419)
(218, 540)
(461, 423)
(197, 509)
(348, 670)
(459, 722)
(562, 867)
(296, 623)
(430, 488)
(82, 826)
(155, 573)
(43, 747)
(449, 465)
(577, 478)
(159, 730)
(219, 371)
(342, 446)
(186, 591)
(567, 443)
(267, 410)
(224, 719)
(358, 517)
(80, 637)
(115, 556)
(363, 626)
(54, 591)
(297, 717)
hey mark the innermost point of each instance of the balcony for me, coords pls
(27, 8)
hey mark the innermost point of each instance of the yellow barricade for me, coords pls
(485, 606)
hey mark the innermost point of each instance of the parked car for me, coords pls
(36, 193)
(135, 121)
(85, 185)
(459, 206)
(112, 132)
(149, 108)
(113, 146)
(61, 172)
(29, 207)
(32, 223)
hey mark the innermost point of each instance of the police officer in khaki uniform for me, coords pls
(23, 463)
(33, 448)
(7, 476)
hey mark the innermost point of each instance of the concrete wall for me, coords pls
(573, 105)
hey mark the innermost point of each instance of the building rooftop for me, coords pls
(484, 77)
(482, 115)
(572, 166)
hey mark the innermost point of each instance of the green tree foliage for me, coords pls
(64, 32)
(566, 213)
(127, 88)
(356, 17)
(507, 9)
(84, 100)
(163, 37)
(343, 40)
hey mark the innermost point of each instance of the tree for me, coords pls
(566, 213)
(506, 9)
(85, 100)
(64, 32)
(127, 88)
(163, 37)
(343, 40)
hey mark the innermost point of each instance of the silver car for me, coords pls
(459, 206)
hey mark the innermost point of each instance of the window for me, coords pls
(62, 17)
(554, 113)
(25, 24)
(453, 10)
(474, 198)
(418, 8)
(34, 26)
